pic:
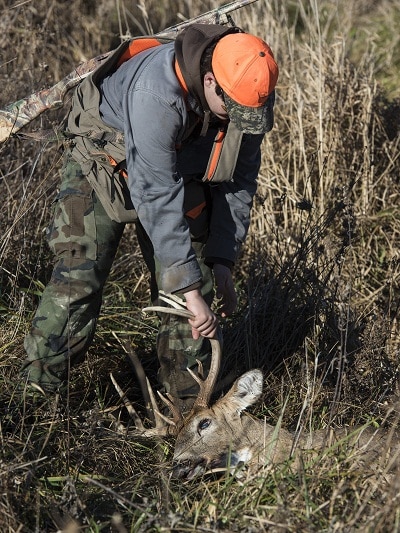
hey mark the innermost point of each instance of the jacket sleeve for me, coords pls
(232, 202)
(156, 188)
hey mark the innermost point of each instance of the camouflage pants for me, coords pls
(85, 240)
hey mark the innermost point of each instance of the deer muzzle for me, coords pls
(192, 468)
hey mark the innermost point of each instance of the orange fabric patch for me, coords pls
(136, 46)
(215, 154)
(196, 211)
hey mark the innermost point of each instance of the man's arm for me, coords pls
(157, 188)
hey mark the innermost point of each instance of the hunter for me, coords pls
(167, 136)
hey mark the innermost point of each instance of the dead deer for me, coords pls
(223, 436)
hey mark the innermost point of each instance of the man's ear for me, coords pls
(209, 79)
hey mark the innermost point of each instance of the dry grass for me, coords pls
(318, 279)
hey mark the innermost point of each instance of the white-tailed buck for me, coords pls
(223, 435)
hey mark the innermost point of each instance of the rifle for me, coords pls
(16, 115)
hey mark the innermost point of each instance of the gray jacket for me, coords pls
(143, 99)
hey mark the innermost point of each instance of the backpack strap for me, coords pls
(136, 46)
(224, 154)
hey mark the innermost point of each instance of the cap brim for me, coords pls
(254, 120)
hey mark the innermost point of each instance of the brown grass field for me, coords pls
(318, 282)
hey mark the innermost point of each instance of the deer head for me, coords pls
(209, 436)
(217, 436)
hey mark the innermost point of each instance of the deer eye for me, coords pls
(203, 424)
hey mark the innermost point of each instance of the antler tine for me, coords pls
(178, 306)
(196, 377)
(169, 310)
(207, 385)
(158, 419)
(172, 300)
(168, 400)
(160, 422)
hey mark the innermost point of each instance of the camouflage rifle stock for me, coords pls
(16, 115)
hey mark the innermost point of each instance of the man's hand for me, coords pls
(225, 290)
(204, 323)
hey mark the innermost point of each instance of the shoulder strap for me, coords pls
(224, 154)
(125, 51)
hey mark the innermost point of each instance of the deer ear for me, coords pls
(246, 390)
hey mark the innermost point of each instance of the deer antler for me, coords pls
(163, 426)
(207, 385)
(178, 306)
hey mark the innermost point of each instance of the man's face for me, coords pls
(215, 101)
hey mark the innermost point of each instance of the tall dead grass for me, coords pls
(318, 280)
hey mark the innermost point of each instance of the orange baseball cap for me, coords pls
(246, 71)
